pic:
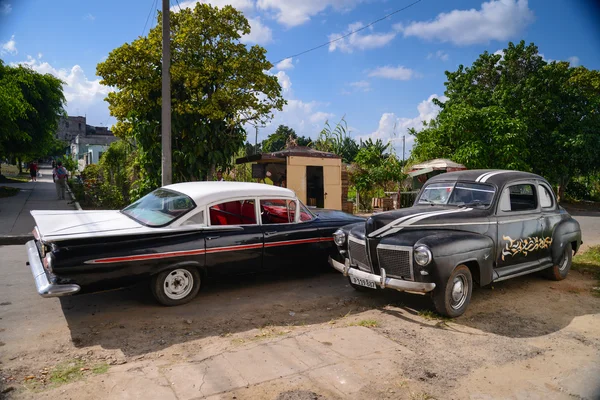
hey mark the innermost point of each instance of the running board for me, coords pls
(529, 271)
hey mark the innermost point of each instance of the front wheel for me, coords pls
(559, 272)
(176, 286)
(452, 297)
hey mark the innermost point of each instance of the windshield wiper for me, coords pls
(427, 201)
(474, 204)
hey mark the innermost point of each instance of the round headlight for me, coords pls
(339, 237)
(422, 255)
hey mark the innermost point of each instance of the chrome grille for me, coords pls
(358, 253)
(396, 260)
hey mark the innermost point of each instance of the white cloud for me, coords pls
(306, 118)
(9, 47)
(391, 128)
(285, 64)
(364, 86)
(242, 5)
(84, 96)
(359, 40)
(438, 54)
(5, 7)
(90, 17)
(259, 33)
(399, 73)
(574, 60)
(496, 20)
(297, 12)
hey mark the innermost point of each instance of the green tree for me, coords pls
(375, 170)
(281, 138)
(337, 141)
(30, 104)
(518, 111)
(217, 85)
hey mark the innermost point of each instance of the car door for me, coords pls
(237, 250)
(549, 219)
(290, 239)
(519, 229)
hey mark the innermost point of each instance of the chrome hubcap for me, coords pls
(460, 288)
(564, 262)
(178, 284)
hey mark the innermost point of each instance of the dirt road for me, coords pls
(298, 336)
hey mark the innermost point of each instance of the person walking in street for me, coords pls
(59, 175)
(33, 168)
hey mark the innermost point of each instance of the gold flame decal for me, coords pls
(524, 246)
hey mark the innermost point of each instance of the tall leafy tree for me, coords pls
(217, 85)
(30, 104)
(337, 140)
(515, 110)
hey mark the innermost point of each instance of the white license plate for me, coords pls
(363, 282)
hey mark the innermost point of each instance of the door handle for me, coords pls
(270, 233)
(212, 237)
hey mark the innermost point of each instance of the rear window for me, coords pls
(159, 208)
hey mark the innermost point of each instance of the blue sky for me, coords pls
(380, 78)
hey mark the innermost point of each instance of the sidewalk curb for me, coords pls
(10, 240)
(73, 198)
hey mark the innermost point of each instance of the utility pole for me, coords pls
(256, 139)
(167, 174)
(403, 146)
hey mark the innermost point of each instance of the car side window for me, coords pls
(520, 197)
(277, 211)
(546, 198)
(238, 212)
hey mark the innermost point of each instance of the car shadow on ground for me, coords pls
(130, 319)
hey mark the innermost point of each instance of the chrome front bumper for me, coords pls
(44, 287)
(382, 280)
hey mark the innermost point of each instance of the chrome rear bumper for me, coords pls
(382, 280)
(44, 286)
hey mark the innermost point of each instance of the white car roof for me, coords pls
(211, 192)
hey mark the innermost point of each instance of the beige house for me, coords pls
(318, 178)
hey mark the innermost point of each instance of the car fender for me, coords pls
(566, 231)
(453, 248)
(186, 263)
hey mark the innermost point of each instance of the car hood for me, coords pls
(54, 224)
(336, 215)
(387, 223)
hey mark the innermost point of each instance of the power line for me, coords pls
(152, 8)
(350, 33)
(178, 5)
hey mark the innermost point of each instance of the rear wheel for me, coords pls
(452, 298)
(176, 286)
(559, 272)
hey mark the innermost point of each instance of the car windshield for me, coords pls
(159, 208)
(458, 194)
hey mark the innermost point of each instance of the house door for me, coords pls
(315, 194)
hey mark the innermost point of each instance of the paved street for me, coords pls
(15, 219)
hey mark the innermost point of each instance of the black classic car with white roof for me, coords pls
(176, 236)
(468, 226)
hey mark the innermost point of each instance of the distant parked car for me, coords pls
(176, 236)
(478, 226)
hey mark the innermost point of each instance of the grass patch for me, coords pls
(6, 191)
(428, 314)
(589, 262)
(270, 331)
(367, 323)
(66, 372)
(100, 369)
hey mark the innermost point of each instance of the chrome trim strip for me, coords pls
(517, 220)
(529, 271)
(456, 224)
(44, 287)
(399, 248)
(398, 284)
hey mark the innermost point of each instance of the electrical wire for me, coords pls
(152, 8)
(350, 33)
